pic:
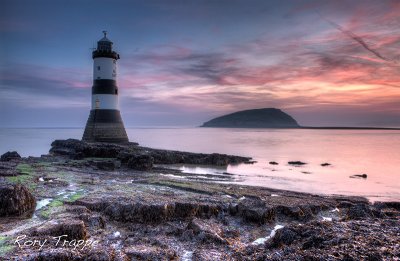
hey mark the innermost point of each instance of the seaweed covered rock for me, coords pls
(16, 200)
(141, 162)
(73, 229)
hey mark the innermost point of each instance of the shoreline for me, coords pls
(119, 196)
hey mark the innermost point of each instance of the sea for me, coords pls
(375, 153)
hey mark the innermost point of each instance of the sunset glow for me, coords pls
(328, 63)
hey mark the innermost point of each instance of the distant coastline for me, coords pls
(347, 128)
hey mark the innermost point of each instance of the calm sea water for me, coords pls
(373, 152)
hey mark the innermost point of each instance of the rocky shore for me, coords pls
(96, 201)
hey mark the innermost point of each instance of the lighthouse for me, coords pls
(105, 123)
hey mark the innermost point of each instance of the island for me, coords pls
(103, 201)
(255, 118)
(273, 118)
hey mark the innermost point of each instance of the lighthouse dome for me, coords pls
(104, 48)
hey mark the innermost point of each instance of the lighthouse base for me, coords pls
(105, 126)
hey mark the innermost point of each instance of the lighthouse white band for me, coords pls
(104, 102)
(104, 68)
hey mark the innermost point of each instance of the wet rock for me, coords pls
(16, 200)
(154, 253)
(100, 255)
(314, 241)
(363, 176)
(187, 209)
(250, 162)
(206, 231)
(302, 212)
(325, 164)
(358, 211)
(79, 149)
(141, 162)
(284, 236)
(256, 211)
(74, 229)
(390, 204)
(374, 256)
(296, 163)
(10, 155)
(57, 254)
(108, 165)
(93, 221)
(273, 163)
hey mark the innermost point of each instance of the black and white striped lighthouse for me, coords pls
(105, 122)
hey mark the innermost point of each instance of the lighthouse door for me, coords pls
(97, 104)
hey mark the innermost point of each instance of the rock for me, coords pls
(358, 211)
(206, 232)
(389, 204)
(255, 210)
(284, 236)
(154, 253)
(364, 176)
(16, 200)
(141, 162)
(302, 212)
(10, 155)
(273, 163)
(74, 229)
(325, 164)
(108, 165)
(298, 163)
(57, 254)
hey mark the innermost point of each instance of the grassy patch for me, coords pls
(74, 197)
(26, 176)
(5, 246)
(25, 169)
(49, 209)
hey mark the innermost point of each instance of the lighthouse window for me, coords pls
(98, 68)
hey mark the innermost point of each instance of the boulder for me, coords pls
(255, 211)
(141, 162)
(74, 229)
(16, 200)
(10, 155)
(284, 236)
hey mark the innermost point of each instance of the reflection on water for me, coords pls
(373, 152)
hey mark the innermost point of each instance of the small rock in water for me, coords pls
(325, 164)
(273, 163)
(250, 162)
(364, 176)
(41, 179)
(296, 163)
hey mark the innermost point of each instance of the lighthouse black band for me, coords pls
(104, 87)
(105, 116)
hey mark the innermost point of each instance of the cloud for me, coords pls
(35, 86)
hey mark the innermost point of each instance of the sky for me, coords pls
(326, 63)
